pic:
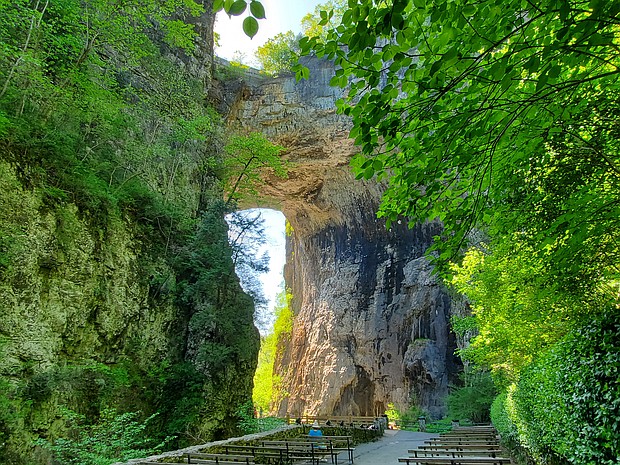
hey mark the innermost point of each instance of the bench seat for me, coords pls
(463, 441)
(455, 453)
(198, 457)
(455, 460)
(460, 446)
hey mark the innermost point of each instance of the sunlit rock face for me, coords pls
(371, 321)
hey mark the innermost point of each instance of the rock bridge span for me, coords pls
(370, 321)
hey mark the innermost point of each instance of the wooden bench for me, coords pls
(336, 443)
(226, 459)
(336, 420)
(492, 448)
(460, 441)
(300, 450)
(455, 461)
(455, 453)
(267, 454)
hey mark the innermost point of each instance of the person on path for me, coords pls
(315, 431)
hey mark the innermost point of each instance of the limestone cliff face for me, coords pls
(90, 317)
(72, 292)
(371, 322)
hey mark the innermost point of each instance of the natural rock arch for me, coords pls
(371, 322)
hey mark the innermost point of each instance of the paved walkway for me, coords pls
(385, 451)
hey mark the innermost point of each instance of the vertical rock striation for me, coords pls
(371, 321)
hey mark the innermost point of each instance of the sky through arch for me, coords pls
(272, 281)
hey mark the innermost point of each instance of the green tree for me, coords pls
(267, 391)
(519, 311)
(472, 401)
(325, 16)
(278, 54)
(247, 240)
(248, 159)
(454, 102)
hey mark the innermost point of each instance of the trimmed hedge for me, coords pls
(566, 405)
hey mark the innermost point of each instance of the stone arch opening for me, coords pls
(362, 294)
(257, 237)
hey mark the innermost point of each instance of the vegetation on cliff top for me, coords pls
(502, 120)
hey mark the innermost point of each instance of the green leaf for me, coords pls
(218, 5)
(506, 82)
(554, 71)
(257, 9)
(469, 10)
(533, 64)
(397, 21)
(237, 8)
(302, 72)
(435, 67)
(542, 82)
(228, 4)
(250, 26)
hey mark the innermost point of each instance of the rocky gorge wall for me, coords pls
(118, 294)
(370, 320)
(91, 320)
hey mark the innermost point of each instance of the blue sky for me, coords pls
(281, 16)
(272, 282)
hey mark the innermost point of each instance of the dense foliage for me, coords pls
(573, 412)
(115, 437)
(105, 135)
(453, 98)
(501, 119)
(325, 16)
(472, 401)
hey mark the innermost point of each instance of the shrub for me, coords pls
(116, 437)
(473, 400)
(249, 424)
(501, 420)
(567, 403)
